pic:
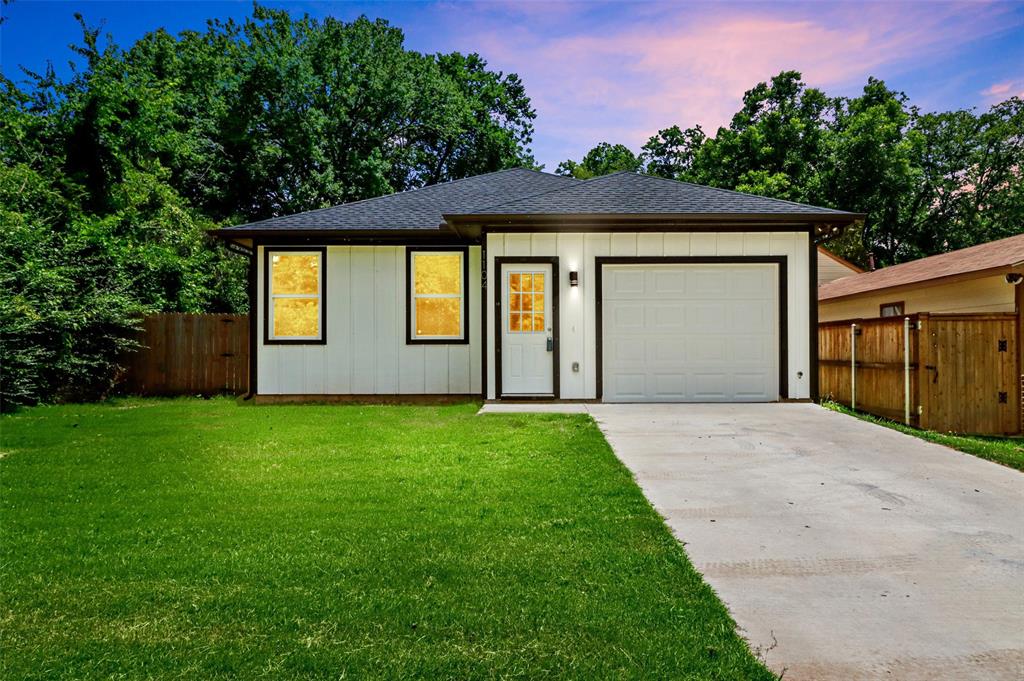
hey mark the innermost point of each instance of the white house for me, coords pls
(521, 285)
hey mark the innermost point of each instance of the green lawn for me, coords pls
(204, 539)
(1008, 451)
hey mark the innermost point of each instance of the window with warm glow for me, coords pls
(526, 302)
(295, 295)
(437, 297)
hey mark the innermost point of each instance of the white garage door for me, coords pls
(690, 333)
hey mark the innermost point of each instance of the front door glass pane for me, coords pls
(526, 302)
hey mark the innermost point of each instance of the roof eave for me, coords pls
(932, 281)
(235, 233)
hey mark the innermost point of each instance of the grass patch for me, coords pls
(1008, 451)
(203, 539)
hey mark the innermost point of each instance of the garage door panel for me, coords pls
(670, 386)
(628, 318)
(706, 349)
(625, 282)
(751, 317)
(705, 317)
(705, 282)
(690, 333)
(625, 352)
(751, 386)
(666, 318)
(750, 350)
(711, 385)
(662, 351)
(753, 283)
(629, 385)
(668, 282)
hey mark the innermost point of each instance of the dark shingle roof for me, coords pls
(523, 192)
(419, 208)
(632, 193)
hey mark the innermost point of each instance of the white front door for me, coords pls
(527, 341)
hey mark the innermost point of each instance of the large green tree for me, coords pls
(279, 114)
(110, 178)
(929, 183)
(603, 159)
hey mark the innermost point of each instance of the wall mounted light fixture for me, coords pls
(574, 278)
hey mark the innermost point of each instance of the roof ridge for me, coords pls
(636, 173)
(576, 182)
(733, 191)
(401, 193)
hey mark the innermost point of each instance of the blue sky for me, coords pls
(618, 72)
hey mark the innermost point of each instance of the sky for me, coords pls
(619, 72)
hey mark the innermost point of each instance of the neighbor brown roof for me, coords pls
(995, 254)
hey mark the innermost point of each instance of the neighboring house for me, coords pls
(832, 267)
(969, 280)
(525, 285)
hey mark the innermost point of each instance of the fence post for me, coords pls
(906, 370)
(923, 358)
(853, 367)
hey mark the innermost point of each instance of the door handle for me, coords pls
(551, 343)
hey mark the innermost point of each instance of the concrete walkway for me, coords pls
(843, 549)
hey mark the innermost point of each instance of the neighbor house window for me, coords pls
(294, 296)
(891, 309)
(437, 295)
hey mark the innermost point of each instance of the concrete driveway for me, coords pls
(844, 550)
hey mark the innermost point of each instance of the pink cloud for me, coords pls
(998, 92)
(622, 81)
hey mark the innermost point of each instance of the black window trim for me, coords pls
(410, 338)
(267, 338)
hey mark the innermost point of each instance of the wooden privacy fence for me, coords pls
(191, 354)
(947, 372)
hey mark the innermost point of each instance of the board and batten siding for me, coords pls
(577, 311)
(366, 352)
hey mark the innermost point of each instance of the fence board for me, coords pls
(972, 388)
(961, 379)
(190, 354)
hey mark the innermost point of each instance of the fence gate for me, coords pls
(971, 373)
(190, 354)
(947, 372)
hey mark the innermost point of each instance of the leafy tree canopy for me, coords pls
(110, 178)
(929, 182)
(603, 159)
